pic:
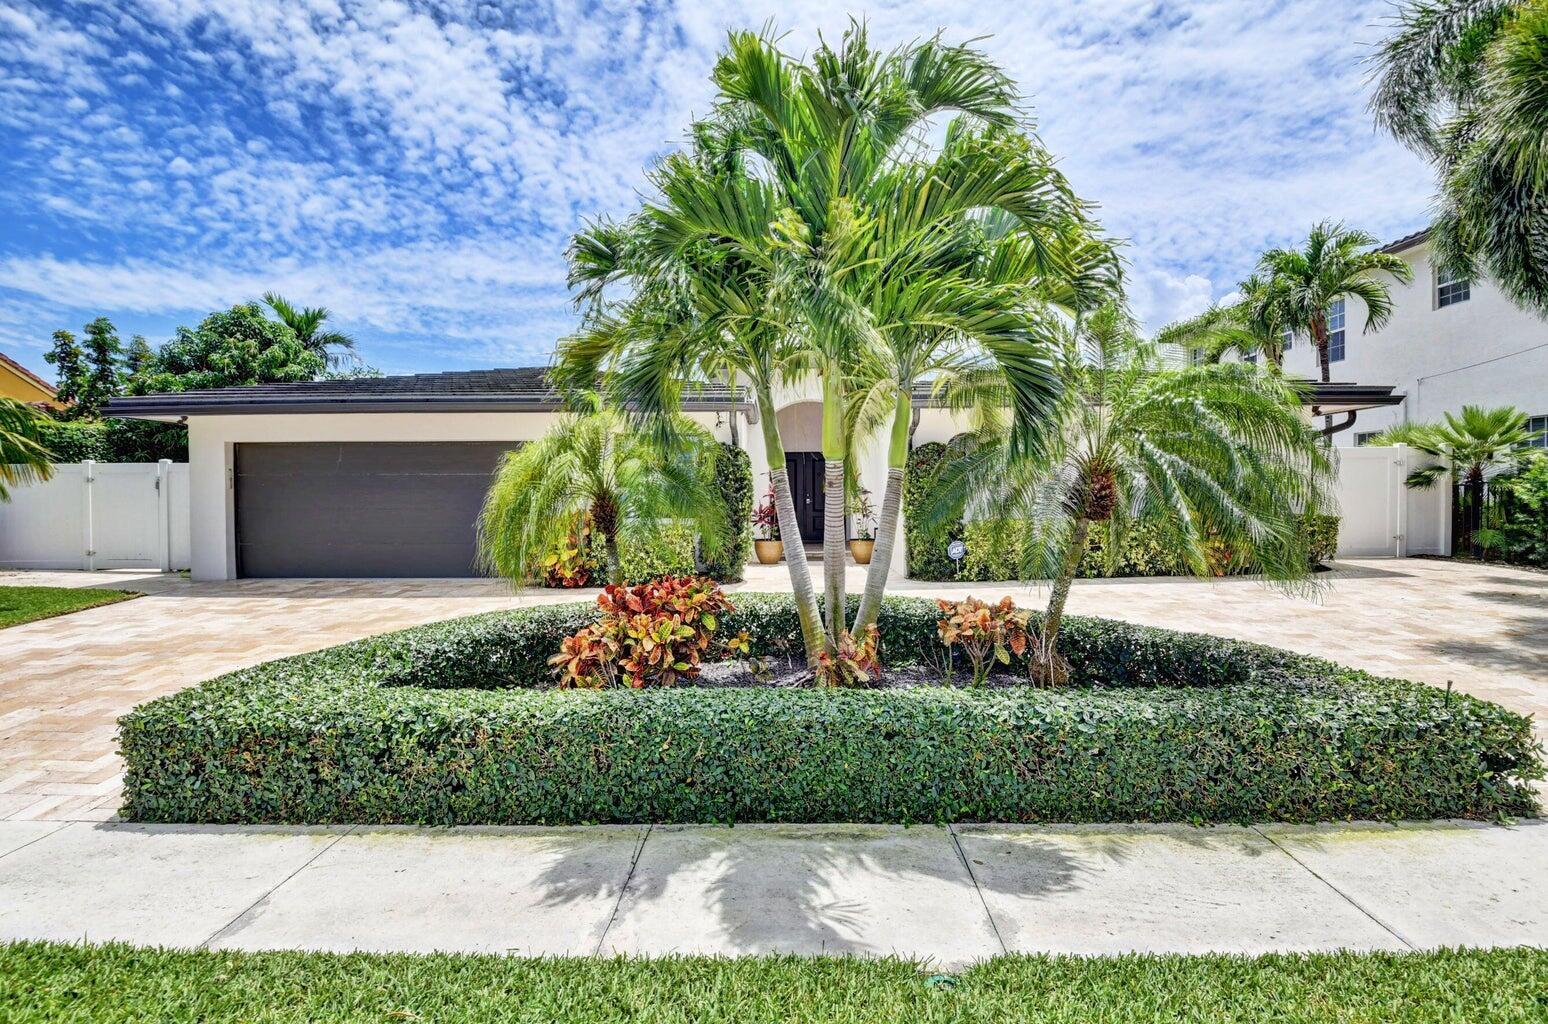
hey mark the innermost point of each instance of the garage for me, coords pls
(360, 509)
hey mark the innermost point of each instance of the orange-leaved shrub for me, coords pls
(852, 660)
(653, 634)
(984, 632)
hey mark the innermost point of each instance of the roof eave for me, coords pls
(172, 406)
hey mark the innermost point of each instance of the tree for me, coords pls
(23, 459)
(1298, 286)
(336, 347)
(139, 358)
(1216, 457)
(103, 377)
(230, 348)
(593, 465)
(1464, 83)
(1472, 446)
(1244, 327)
(70, 373)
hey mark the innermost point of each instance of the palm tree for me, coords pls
(1215, 456)
(1242, 327)
(1471, 447)
(592, 465)
(336, 347)
(1298, 286)
(23, 459)
(1464, 83)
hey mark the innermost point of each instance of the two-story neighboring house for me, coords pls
(1448, 344)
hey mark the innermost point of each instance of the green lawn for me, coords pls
(49, 982)
(27, 604)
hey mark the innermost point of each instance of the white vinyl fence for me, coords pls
(99, 515)
(1383, 517)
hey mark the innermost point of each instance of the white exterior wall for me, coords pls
(1441, 358)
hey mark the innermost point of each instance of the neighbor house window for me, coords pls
(1336, 330)
(1285, 338)
(1451, 288)
(1363, 439)
(1247, 357)
(1538, 425)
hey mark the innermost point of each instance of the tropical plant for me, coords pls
(1464, 83)
(336, 348)
(229, 348)
(23, 459)
(1209, 455)
(592, 465)
(801, 232)
(653, 634)
(1244, 327)
(70, 373)
(1471, 446)
(766, 518)
(986, 633)
(1299, 285)
(852, 660)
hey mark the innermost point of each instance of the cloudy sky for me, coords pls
(418, 167)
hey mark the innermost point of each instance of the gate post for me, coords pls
(89, 557)
(164, 515)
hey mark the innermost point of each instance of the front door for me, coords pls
(805, 469)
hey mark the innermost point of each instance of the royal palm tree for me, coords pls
(23, 459)
(1216, 457)
(336, 347)
(1299, 285)
(593, 465)
(1464, 83)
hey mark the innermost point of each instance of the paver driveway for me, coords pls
(65, 681)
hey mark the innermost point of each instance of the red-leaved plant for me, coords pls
(853, 660)
(653, 634)
(984, 631)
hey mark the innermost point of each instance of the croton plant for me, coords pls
(984, 631)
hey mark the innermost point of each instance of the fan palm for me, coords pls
(1216, 457)
(1465, 84)
(23, 459)
(336, 347)
(1298, 286)
(592, 465)
(1471, 446)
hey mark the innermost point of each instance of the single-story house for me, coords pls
(384, 476)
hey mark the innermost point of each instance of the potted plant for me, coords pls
(864, 515)
(767, 544)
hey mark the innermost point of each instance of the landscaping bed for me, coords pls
(454, 723)
(53, 982)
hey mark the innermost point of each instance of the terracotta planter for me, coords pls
(861, 549)
(769, 551)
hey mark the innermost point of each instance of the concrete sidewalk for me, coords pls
(950, 895)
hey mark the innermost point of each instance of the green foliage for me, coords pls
(230, 348)
(1471, 445)
(23, 458)
(734, 481)
(668, 551)
(652, 634)
(1156, 726)
(70, 372)
(1321, 534)
(927, 559)
(53, 982)
(75, 440)
(1517, 521)
(114, 440)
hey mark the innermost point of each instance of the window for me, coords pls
(1247, 357)
(1286, 337)
(1451, 288)
(1539, 425)
(1336, 331)
(1365, 438)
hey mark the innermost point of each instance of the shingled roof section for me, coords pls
(518, 389)
(1407, 241)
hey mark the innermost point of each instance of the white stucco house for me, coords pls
(1448, 344)
(384, 477)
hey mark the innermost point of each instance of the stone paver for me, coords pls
(862, 889)
(828, 889)
(65, 681)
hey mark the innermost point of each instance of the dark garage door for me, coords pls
(361, 509)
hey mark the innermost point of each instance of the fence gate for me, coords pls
(99, 515)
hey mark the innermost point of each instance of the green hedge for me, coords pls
(1184, 728)
(114, 440)
(733, 478)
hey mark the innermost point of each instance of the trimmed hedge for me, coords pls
(1167, 727)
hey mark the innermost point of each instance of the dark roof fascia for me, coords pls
(171, 404)
(1344, 395)
(1407, 241)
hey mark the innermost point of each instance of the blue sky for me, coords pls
(418, 167)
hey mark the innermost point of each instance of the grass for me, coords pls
(28, 604)
(53, 982)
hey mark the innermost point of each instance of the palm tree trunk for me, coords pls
(611, 562)
(887, 524)
(833, 510)
(1054, 616)
(1320, 334)
(800, 575)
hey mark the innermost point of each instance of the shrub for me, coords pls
(653, 634)
(114, 440)
(669, 552)
(927, 558)
(733, 478)
(1321, 535)
(852, 660)
(1516, 524)
(984, 632)
(1166, 727)
(76, 441)
(572, 564)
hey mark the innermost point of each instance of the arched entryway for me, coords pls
(800, 428)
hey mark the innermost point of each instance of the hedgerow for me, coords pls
(444, 724)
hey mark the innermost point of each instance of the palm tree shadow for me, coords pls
(1522, 646)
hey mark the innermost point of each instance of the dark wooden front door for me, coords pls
(805, 469)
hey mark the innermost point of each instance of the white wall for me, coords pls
(99, 515)
(1441, 358)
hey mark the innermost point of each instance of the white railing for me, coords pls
(99, 515)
